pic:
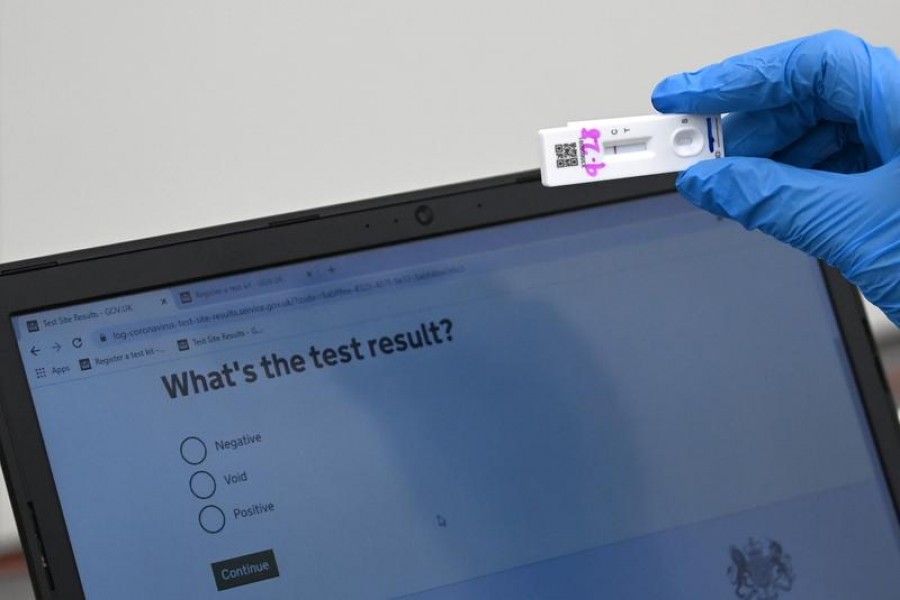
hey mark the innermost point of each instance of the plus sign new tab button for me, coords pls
(242, 570)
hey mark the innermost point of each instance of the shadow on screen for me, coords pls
(508, 441)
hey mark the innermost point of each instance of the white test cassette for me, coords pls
(604, 149)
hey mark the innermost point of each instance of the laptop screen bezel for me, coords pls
(132, 267)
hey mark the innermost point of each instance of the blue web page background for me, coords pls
(629, 392)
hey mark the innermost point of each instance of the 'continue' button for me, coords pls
(242, 570)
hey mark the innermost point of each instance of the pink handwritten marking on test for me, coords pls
(593, 167)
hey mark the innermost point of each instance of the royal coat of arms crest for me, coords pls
(760, 572)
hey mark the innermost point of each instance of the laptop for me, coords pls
(487, 390)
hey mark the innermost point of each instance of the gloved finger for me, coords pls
(813, 211)
(825, 68)
(818, 144)
(850, 159)
(764, 132)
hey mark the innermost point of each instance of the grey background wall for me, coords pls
(127, 118)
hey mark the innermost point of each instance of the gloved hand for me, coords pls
(813, 141)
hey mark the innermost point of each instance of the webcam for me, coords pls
(424, 214)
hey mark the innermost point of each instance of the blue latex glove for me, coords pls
(820, 117)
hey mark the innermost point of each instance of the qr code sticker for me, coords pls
(566, 155)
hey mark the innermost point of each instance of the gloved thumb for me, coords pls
(817, 212)
(849, 221)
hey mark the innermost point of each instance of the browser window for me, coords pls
(626, 401)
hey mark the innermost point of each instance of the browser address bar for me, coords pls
(271, 304)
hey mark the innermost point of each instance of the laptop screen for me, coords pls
(630, 401)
